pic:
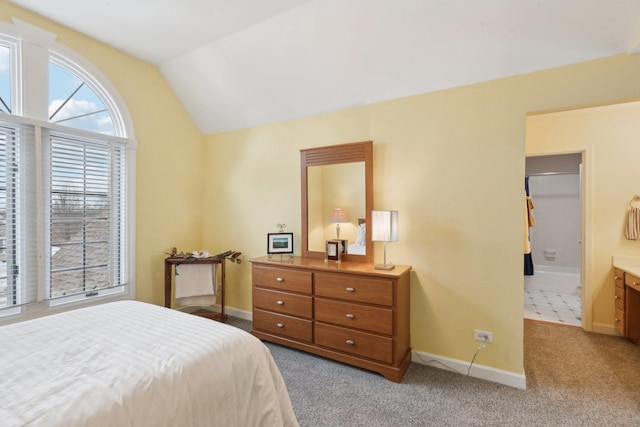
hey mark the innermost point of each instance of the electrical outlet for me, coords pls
(482, 336)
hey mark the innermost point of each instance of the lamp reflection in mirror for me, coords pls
(338, 216)
(384, 228)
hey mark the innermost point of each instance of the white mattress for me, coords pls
(134, 364)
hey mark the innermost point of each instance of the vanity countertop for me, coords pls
(628, 264)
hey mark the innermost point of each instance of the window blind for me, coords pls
(87, 215)
(18, 216)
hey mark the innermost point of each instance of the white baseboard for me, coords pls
(601, 328)
(477, 371)
(241, 314)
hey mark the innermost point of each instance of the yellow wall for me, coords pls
(451, 162)
(610, 137)
(169, 156)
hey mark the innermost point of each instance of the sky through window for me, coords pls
(73, 103)
(5, 79)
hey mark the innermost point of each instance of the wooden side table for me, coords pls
(169, 266)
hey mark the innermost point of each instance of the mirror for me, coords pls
(338, 176)
(332, 189)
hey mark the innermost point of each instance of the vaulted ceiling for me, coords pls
(241, 63)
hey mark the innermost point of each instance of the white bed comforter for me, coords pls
(135, 364)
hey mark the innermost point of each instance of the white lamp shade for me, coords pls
(384, 226)
(338, 216)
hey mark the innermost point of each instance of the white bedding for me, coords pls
(134, 364)
(356, 249)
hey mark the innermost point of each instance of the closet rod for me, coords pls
(552, 173)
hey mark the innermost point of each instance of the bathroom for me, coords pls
(553, 291)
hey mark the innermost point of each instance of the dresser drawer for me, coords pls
(360, 289)
(619, 298)
(354, 342)
(618, 277)
(282, 302)
(374, 319)
(281, 278)
(631, 280)
(619, 321)
(283, 325)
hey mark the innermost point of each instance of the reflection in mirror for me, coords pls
(336, 186)
(337, 176)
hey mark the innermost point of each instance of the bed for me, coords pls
(129, 363)
(359, 247)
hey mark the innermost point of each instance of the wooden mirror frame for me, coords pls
(331, 155)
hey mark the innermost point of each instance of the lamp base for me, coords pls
(384, 266)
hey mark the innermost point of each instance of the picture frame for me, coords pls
(280, 243)
(333, 251)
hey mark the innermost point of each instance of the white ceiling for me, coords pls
(241, 63)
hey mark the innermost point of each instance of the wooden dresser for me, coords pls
(345, 311)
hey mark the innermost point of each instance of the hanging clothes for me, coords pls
(529, 221)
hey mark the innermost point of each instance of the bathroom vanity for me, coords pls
(627, 296)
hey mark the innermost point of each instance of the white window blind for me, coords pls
(87, 215)
(85, 238)
(18, 245)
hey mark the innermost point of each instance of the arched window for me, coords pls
(73, 103)
(65, 174)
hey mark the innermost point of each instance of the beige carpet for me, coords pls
(574, 378)
(571, 366)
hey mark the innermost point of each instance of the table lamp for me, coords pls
(384, 228)
(338, 216)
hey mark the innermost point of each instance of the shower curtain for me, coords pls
(528, 222)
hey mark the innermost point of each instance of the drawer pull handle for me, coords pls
(617, 320)
(350, 289)
(350, 342)
(279, 279)
(617, 278)
(635, 283)
(280, 302)
(616, 297)
(280, 325)
(350, 316)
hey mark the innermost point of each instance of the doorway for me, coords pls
(553, 289)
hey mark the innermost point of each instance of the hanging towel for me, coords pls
(633, 224)
(528, 222)
(196, 284)
(530, 208)
(527, 242)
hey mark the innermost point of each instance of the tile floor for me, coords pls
(555, 302)
(552, 306)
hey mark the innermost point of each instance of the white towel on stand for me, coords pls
(196, 284)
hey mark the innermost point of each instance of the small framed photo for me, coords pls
(333, 250)
(280, 243)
